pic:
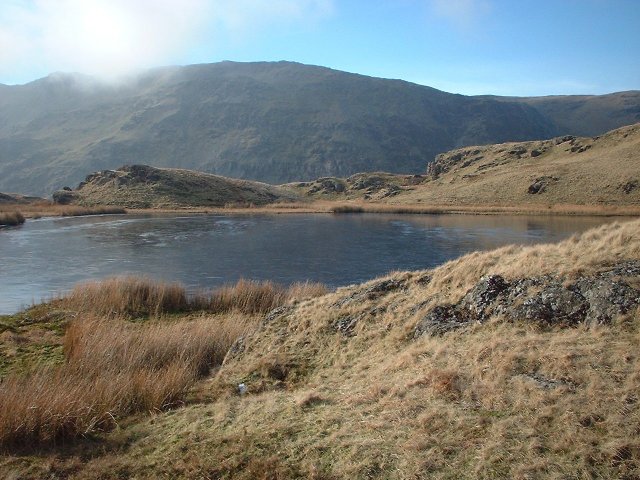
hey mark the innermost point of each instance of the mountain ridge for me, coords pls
(267, 121)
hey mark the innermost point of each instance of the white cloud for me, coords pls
(461, 13)
(116, 37)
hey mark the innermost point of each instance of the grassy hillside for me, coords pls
(273, 122)
(141, 186)
(515, 363)
(578, 173)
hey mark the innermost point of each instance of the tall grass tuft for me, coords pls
(11, 218)
(129, 295)
(77, 211)
(143, 296)
(113, 368)
(252, 297)
(347, 209)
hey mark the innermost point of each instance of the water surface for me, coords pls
(46, 257)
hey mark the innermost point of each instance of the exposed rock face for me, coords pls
(630, 186)
(373, 186)
(546, 299)
(371, 292)
(540, 184)
(64, 197)
(327, 185)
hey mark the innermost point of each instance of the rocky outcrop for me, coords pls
(489, 156)
(540, 184)
(64, 197)
(143, 186)
(546, 299)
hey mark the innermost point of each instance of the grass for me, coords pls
(11, 218)
(49, 209)
(114, 367)
(136, 296)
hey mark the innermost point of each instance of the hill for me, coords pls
(515, 363)
(273, 122)
(141, 186)
(568, 170)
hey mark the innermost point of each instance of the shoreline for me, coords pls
(336, 207)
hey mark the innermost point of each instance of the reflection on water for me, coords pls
(48, 256)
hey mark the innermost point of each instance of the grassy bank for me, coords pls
(48, 209)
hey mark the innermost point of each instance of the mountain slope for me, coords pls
(273, 122)
(586, 115)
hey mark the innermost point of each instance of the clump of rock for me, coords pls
(546, 299)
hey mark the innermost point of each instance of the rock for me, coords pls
(518, 151)
(630, 186)
(64, 197)
(536, 153)
(479, 298)
(606, 298)
(553, 304)
(276, 313)
(540, 184)
(547, 383)
(596, 299)
(624, 269)
(372, 292)
(414, 180)
(440, 320)
(347, 324)
(566, 138)
(536, 187)
(327, 185)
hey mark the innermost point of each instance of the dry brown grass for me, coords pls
(11, 218)
(129, 295)
(113, 368)
(49, 209)
(132, 295)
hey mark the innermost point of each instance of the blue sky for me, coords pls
(503, 47)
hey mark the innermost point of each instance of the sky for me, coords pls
(472, 47)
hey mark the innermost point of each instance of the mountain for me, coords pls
(273, 122)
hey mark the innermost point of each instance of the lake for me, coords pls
(46, 257)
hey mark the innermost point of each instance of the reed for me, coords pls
(113, 368)
(11, 218)
(142, 296)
